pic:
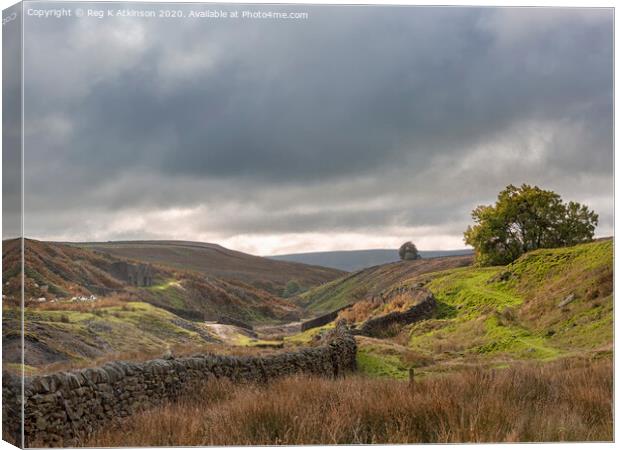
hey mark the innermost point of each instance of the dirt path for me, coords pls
(229, 334)
(285, 329)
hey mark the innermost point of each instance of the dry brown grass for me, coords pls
(360, 311)
(562, 401)
(365, 309)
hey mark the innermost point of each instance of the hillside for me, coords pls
(548, 304)
(81, 333)
(82, 305)
(482, 346)
(216, 261)
(371, 282)
(56, 271)
(354, 260)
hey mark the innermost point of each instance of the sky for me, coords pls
(358, 127)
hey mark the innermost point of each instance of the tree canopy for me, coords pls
(526, 218)
(408, 251)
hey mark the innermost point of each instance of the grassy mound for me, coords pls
(518, 310)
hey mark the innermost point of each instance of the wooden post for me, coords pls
(411, 377)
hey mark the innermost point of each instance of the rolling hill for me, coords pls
(54, 270)
(549, 304)
(216, 261)
(82, 304)
(353, 260)
(59, 271)
(80, 333)
(371, 282)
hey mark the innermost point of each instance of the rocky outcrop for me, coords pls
(62, 408)
(380, 326)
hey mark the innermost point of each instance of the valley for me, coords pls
(218, 262)
(80, 306)
(427, 318)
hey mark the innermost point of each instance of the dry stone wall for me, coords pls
(322, 320)
(380, 326)
(62, 408)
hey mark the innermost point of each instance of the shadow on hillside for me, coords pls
(445, 311)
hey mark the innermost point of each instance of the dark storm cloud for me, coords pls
(422, 112)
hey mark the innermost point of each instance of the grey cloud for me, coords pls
(11, 124)
(391, 101)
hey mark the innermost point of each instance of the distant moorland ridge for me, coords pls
(353, 260)
(217, 261)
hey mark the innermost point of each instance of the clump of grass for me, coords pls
(360, 311)
(365, 309)
(384, 358)
(377, 364)
(247, 341)
(560, 401)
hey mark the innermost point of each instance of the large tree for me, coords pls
(526, 218)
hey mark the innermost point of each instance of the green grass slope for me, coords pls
(517, 308)
(548, 304)
(88, 332)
